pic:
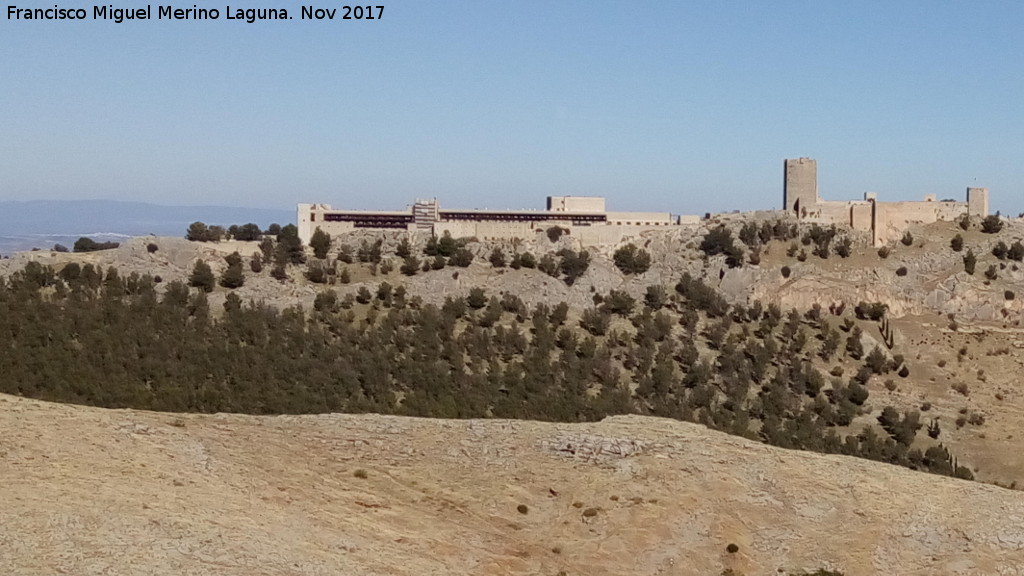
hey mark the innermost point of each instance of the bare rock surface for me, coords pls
(93, 491)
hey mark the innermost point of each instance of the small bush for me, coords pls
(786, 271)
(632, 260)
(555, 233)
(151, 247)
(360, 473)
(970, 261)
(957, 243)
(1016, 251)
(590, 512)
(1000, 250)
(901, 271)
(1009, 295)
(908, 239)
(843, 247)
(884, 252)
(523, 508)
(962, 389)
(732, 548)
(991, 224)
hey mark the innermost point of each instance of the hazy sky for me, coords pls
(680, 106)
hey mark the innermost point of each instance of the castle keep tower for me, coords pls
(977, 202)
(800, 186)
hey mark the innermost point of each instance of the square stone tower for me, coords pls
(800, 186)
(977, 202)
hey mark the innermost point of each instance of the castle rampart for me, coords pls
(885, 221)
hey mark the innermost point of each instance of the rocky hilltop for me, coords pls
(925, 277)
(93, 491)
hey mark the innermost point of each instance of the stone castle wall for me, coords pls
(885, 221)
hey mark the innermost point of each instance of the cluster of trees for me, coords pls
(88, 336)
(200, 232)
(755, 236)
(720, 241)
(85, 244)
(1013, 252)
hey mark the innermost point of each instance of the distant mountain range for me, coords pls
(43, 223)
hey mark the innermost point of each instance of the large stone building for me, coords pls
(588, 220)
(584, 216)
(884, 221)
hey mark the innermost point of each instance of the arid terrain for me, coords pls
(93, 491)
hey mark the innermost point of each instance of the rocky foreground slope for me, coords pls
(91, 491)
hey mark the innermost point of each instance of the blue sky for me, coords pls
(681, 106)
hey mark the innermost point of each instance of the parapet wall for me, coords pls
(893, 218)
(886, 221)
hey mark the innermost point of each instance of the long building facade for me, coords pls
(583, 216)
(587, 218)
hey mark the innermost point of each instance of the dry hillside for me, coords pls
(92, 491)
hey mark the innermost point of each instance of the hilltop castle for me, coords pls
(587, 219)
(884, 221)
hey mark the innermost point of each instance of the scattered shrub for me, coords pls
(320, 243)
(1000, 250)
(497, 258)
(991, 224)
(555, 233)
(632, 260)
(970, 261)
(884, 252)
(957, 243)
(843, 247)
(360, 473)
(523, 508)
(732, 548)
(461, 258)
(901, 271)
(908, 239)
(1016, 251)
(1009, 295)
(201, 277)
(786, 271)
